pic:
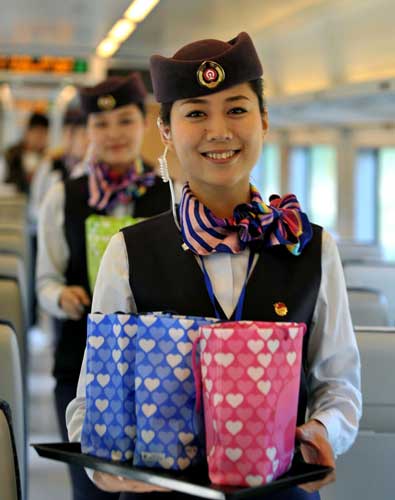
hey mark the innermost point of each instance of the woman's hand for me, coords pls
(113, 484)
(316, 449)
(72, 300)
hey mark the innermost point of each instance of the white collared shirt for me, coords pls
(333, 359)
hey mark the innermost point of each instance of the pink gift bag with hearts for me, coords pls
(250, 373)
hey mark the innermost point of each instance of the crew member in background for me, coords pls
(118, 182)
(23, 158)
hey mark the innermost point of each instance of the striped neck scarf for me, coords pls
(108, 188)
(253, 225)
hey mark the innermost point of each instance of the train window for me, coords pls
(266, 173)
(365, 195)
(313, 178)
(374, 208)
(299, 161)
(386, 201)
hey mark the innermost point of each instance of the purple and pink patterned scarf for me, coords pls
(108, 188)
(253, 224)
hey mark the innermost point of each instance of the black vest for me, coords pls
(71, 335)
(16, 174)
(165, 277)
(59, 166)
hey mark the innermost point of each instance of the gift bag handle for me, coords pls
(197, 374)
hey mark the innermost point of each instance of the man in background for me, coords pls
(22, 159)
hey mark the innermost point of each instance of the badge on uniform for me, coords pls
(210, 74)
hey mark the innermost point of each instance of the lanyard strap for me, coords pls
(210, 291)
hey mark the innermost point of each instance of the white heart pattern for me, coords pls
(185, 437)
(96, 342)
(293, 332)
(117, 329)
(184, 347)
(122, 368)
(234, 400)
(116, 455)
(103, 379)
(173, 359)
(149, 410)
(265, 333)
(291, 357)
(123, 343)
(130, 430)
(147, 345)
(101, 429)
(233, 453)
(116, 354)
(89, 378)
(176, 333)
(271, 453)
(182, 373)
(101, 404)
(137, 382)
(254, 480)
(217, 399)
(224, 359)
(207, 357)
(223, 333)
(234, 427)
(264, 386)
(273, 345)
(255, 372)
(186, 323)
(96, 318)
(255, 345)
(148, 320)
(265, 359)
(151, 383)
(131, 330)
(123, 318)
(148, 436)
(166, 462)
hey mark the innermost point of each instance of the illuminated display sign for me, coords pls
(43, 64)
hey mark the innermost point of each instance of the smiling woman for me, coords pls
(224, 252)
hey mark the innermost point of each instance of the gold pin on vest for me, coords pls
(106, 102)
(280, 309)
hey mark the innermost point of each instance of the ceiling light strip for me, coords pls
(124, 27)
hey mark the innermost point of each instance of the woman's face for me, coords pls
(117, 135)
(218, 138)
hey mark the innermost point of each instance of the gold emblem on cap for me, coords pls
(106, 102)
(210, 74)
(280, 309)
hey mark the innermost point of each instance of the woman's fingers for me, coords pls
(316, 449)
(112, 484)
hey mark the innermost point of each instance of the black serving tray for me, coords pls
(194, 481)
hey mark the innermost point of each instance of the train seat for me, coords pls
(11, 389)
(368, 307)
(378, 275)
(366, 471)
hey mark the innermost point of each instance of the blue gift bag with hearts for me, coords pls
(140, 392)
(109, 427)
(169, 431)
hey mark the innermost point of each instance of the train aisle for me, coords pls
(48, 480)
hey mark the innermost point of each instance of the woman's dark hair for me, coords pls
(142, 107)
(256, 85)
(38, 120)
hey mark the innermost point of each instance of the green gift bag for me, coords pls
(98, 231)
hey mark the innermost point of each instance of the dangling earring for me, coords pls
(164, 173)
(163, 166)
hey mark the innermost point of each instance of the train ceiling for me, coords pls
(315, 53)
